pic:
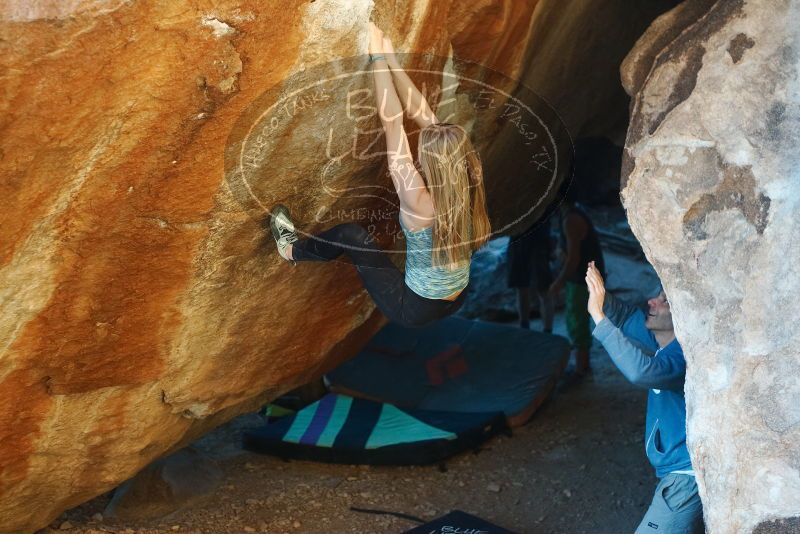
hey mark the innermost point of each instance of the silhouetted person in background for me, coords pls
(529, 263)
(580, 246)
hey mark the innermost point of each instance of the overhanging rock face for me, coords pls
(141, 302)
(712, 193)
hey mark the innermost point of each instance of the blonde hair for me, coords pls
(453, 174)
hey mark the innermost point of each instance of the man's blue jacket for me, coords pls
(634, 350)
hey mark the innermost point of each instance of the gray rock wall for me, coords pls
(712, 192)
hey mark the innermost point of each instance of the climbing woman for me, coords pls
(442, 211)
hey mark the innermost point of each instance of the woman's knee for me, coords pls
(352, 234)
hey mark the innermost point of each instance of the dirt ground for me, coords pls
(578, 466)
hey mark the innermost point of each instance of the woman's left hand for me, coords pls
(375, 39)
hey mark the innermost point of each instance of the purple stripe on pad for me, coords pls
(320, 420)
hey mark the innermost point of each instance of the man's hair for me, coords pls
(659, 289)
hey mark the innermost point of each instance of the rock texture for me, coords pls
(140, 302)
(182, 479)
(712, 193)
(662, 32)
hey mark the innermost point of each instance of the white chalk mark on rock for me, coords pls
(220, 28)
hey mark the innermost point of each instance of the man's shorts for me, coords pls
(529, 261)
(577, 316)
(676, 508)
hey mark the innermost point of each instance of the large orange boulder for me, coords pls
(141, 300)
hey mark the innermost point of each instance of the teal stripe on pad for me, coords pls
(300, 424)
(336, 421)
(395, 426)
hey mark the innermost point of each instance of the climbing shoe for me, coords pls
(282, 230)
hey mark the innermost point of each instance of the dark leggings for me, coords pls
(382, 279)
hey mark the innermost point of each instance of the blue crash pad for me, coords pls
(456, 365)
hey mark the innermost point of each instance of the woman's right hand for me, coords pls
(388, 47)
(375, 39)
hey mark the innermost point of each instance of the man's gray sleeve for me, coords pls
(616, 310)
(661, 371)
(630, 320)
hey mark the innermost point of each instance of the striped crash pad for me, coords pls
(341, 429)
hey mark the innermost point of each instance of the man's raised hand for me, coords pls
(597, 293)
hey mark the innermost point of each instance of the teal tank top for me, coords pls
(421, 276)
